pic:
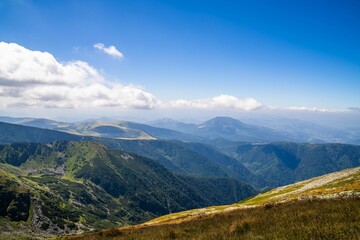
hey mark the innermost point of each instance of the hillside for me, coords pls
(34, 122)
(105, 129)
(183, 158)
(10, 133)
(263, 166)
(79, 186)
(264, 130)
(226, 128)
(284, 163)
(325, 207)
(193, 159)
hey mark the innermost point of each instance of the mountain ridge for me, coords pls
(219, 127)
(79, 186)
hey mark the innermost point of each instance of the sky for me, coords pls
(178, 57)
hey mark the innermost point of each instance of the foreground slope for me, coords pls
(66, 187)
(325, 207)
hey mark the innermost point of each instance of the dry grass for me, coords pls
(320, 219)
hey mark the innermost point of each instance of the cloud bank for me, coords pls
(36, 79)
(111, 50)
(315, 109)
(221, 101)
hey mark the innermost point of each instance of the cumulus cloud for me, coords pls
(221, 101)
(34, 78)
(111, 50)
(37, 79)
(20, 66)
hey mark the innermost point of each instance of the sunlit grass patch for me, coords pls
(317, 219)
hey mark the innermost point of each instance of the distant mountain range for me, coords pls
(115, 130)
(282, 130)
(217, 128)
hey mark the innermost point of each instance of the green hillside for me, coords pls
(262, 165)
(193, 159)
(284, 163)
(325, 207)
(10, 133)
(79, 186)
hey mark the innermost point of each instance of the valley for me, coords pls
(59, 182)
(325, 207)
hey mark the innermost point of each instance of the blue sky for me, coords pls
(280, 53)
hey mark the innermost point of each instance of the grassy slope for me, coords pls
(336, 219)
(325, 207)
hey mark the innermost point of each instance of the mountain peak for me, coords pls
(223, 122)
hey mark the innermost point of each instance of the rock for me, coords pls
(267, 205)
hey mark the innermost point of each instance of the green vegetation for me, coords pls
(320, 219)
(341, 184)
(263, 166)
(10, 133)
(80, 186)
(325, 207)
(188, 158)
(66, 187)
(346, 182)
(284, 163)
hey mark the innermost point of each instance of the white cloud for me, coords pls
(20, 66)
(111, 50)
(315, 109)
(36, 79)
(221, 101)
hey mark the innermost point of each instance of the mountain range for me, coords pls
(67, 187)
(263, 131)
(217, 128)
(261, 165)
(61, 178)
